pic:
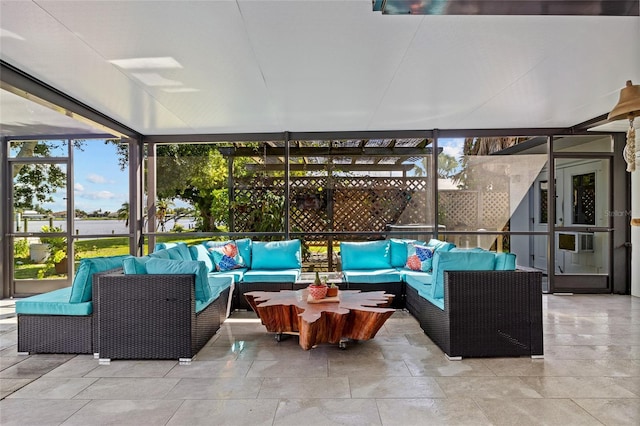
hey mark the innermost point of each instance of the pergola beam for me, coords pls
(334, 167)
(326, 151)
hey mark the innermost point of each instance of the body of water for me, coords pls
(94, 227)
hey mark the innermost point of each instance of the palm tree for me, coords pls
(162, 209)
(123, 213)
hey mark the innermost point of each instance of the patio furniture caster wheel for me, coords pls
(279, 337)
(342, 345)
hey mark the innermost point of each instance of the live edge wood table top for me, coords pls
(357, 315)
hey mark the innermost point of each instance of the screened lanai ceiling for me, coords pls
(200, 67)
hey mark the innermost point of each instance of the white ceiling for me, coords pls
(273, 66)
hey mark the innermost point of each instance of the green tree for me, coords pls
(447, 165)
(123, 213)
(467, 178)
(197, 174)
(34, 184)
(163, 211)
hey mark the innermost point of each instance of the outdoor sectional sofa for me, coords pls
(167, 305)
(471, 303)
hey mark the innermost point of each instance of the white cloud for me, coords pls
(78, 187)
(96, 178)
(103, 195)
(454, 151)
(99, 195)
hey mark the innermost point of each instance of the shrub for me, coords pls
(21, 248)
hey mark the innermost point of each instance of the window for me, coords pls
(584, 199)
(543, 191)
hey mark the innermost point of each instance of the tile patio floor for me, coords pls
(590, 376)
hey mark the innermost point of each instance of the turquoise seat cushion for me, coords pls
(82, 282)
(179, 251)
(167, 266)
(237, 274)
(199, 252)
(135, 265)
(418, 279)
(200, 305)
(270, 276)
(365, 255)
(398, 249)
(440, 245)
(217, 284)
(505, 262)
(275, 255)
(368, 276)
(458, 261)
(244, 247)
(53, 303)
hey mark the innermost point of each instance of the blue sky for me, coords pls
(99, 182)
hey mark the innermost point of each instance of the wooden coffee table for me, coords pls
(356, 316)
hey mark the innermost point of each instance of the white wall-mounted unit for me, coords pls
(575, 242)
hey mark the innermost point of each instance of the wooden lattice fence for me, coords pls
(343, 204)
(473, 210)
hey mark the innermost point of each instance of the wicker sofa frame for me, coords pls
(152, 317)
(55, 334)
(486, 314)
(58, 334)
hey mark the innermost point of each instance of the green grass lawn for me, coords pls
(27, 269)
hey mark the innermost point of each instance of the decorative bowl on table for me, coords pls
(318, 291)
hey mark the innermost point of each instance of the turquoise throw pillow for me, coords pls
(244, 247)
(419, 257)
(135, 265)
(162, 254)
(163, 246)
(365, 255)
(163, 266)
(440, 245)
(180, 251)
(458, 261)
(271, 255)
(200, 252)
(82, 282)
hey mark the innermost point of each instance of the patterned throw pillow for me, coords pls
(419, 257)
(225, 255)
